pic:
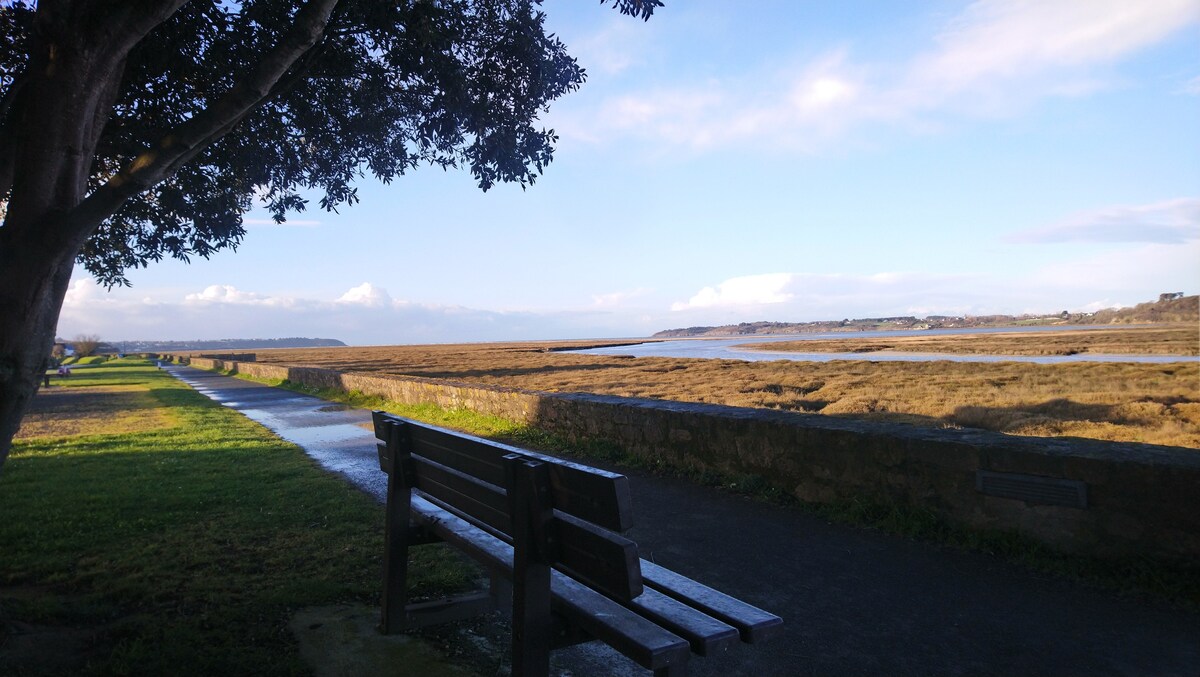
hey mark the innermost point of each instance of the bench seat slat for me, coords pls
(706, 634)
(754, 624)
(639, 639)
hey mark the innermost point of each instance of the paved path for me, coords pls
(854, 601)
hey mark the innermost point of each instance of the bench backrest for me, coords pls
(583, 509)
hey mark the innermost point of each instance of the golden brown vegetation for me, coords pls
(1152, 403)
(1175, 340)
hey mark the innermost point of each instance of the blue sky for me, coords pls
(775, 160)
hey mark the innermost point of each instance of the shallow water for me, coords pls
(727, 349)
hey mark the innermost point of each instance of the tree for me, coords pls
(139, 129)
(86, 345)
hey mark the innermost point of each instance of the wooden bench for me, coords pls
(549, 533)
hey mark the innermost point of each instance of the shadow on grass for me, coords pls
(185, 560)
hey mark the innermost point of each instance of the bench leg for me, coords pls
(531, 621)
(532, 624)
(395, 556)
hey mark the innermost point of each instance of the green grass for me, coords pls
(186, 548)
(1175, 582)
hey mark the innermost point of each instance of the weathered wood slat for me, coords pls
(754, 624)
(552, 528)
(485, 502)
(590, 494)
(639, 639)
(705, 634)
(599, 557)
(461, 452)
(607, 560)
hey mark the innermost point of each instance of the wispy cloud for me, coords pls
(612, 49)
(1153, 267)
(1170, 222)
(995, 40)
(994, 58)
(617, 298)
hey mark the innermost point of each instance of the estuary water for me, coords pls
(730, 348)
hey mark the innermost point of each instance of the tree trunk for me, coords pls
(50, 133)
(31, 295)
(53, 124)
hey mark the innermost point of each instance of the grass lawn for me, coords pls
(147, 530)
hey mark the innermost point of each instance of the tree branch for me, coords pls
(186, 140)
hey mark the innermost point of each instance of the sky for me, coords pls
(776, 160)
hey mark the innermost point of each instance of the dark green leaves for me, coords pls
(390, 87)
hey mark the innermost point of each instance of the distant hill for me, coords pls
(220, 345)
(1168, 308)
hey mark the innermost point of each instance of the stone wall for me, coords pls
(231, 357)
(1137, 499)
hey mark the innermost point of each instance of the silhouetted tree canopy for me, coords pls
(132, 130)
(387, 87)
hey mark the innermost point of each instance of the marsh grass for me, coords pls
(181, 549)
(1119, 401)
(1175, 582)
(1181, 339)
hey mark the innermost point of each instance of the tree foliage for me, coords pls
(133, 130)
(387, 87)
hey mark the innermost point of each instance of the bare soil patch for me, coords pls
(93, 410)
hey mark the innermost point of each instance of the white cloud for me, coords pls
(1170, 222)
(993, 58)
(83, 292)
(822, 92)
(366, 294)
(741, 291)
(363, 315)
(225, 293)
